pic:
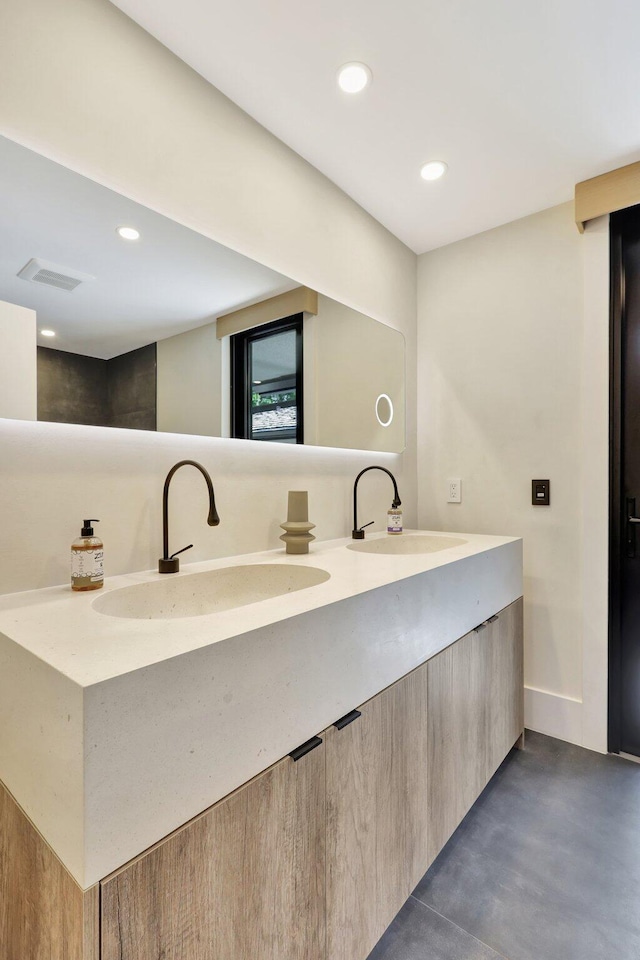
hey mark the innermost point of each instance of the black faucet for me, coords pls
(171, 564)
(358, 532)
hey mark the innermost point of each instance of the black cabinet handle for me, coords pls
(485, 623)
(305, 748)
(347, 719)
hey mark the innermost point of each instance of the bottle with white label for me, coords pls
(394, 520)
(87, 556)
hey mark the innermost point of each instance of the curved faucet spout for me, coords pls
(171, 564)
(358, 532)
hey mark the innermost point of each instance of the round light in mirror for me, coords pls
(433, 170)
(48, 333)
(354, 77)
(384, 410)
(128, 233)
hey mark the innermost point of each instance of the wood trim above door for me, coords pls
(299, 300)
(607, 193)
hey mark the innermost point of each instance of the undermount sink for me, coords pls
(199, 594)
(403, 544)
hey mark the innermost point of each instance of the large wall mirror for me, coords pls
(100, 329)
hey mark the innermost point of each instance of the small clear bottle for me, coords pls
(394, 519)
(87, 557)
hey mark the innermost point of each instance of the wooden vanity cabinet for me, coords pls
(376, 815)
(313, 859)
(402, 776)
(243, 881)
(44, 915)
(458, 729)
(310, 860)
(475, 697)
(505, 696)
(246, 879)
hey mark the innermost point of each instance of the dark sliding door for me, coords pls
(624, 684)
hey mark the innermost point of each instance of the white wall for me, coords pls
(83, 85)
(189, 383)
(511, 370)
(18, 367)
(53, 475)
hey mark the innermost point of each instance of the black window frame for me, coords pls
(241, 385)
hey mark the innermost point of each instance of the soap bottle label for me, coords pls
(87, 567)
(394, 521)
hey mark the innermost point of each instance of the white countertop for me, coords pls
(61, 627)
(114, 732)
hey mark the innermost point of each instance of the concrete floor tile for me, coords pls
(546, 865)
(418, 933)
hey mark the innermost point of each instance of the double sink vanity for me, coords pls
(257, 757)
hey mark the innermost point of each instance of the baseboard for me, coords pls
(553, 714)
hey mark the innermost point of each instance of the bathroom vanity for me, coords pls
(265, 773)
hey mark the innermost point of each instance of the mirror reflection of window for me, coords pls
(267, 382)
(161, 301)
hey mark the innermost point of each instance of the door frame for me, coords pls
(616, 531)
(619, 223)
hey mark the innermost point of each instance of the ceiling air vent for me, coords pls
(41, 271)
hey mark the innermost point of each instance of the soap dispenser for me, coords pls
(87, 555)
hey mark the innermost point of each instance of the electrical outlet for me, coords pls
(455, 490)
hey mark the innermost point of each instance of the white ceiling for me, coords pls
(522, 100)
(169, 281)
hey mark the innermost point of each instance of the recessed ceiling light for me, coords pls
(257, 381)
(48, 333)
(354, 77)
(433, 170)
(128, 233)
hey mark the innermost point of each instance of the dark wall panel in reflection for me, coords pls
(104, 393)
(72, 388)
(131, 387)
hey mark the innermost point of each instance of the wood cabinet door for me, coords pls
(376, 815)
(506, 692)
(476, 714)
(44, 915)
(458, 730)
(243, 881)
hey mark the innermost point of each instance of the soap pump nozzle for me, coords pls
(87, 530)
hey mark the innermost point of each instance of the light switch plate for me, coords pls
(455, 490)
(540, 493)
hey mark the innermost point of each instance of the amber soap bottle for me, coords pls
(87, 557)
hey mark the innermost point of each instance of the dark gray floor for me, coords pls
(545, 866)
